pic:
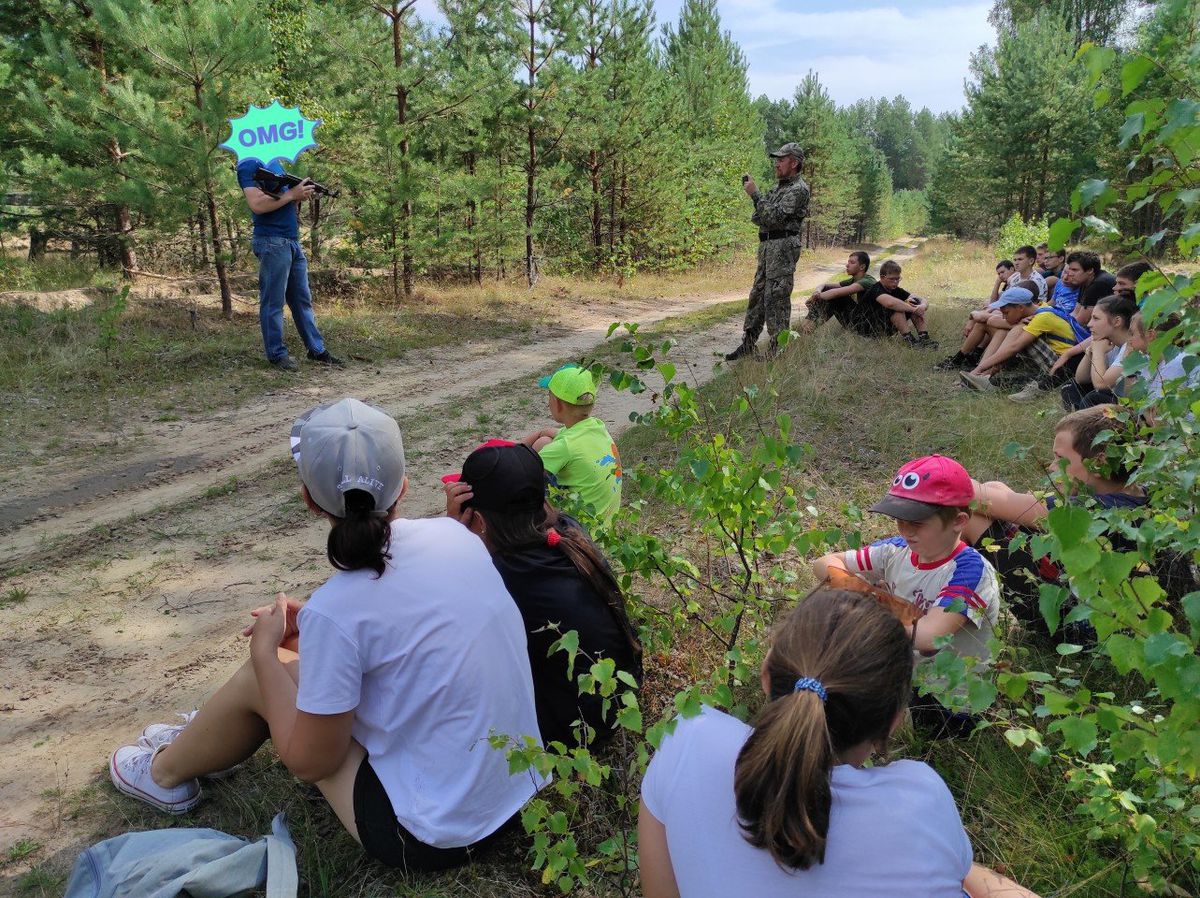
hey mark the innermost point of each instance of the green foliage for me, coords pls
(909, 214)
(1132, 753)
(106, 321)
(1028, 134)
(1016, 232)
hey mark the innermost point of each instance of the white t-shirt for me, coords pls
(1169, 374)
(963, 574)
(1015, 278)
(894, 830)
(431, 658)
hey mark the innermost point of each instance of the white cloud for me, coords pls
(877, 51)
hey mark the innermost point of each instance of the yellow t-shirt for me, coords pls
(1059, 334)
(583, 458)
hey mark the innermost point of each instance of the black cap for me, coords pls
(505, 478)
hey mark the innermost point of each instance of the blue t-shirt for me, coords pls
(1064, 297)
(283, 222)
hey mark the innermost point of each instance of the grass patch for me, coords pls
(13, 597)
(55, 272)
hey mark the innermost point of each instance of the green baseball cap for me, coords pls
(571, 383)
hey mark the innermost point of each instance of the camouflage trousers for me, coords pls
(771, 294)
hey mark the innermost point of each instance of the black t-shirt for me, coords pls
(872, 318)
(548, 588)
(1102, 285)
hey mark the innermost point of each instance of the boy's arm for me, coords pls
(937, 622)
(1000, 502)
(996, 288)
(1081, 346)
(546, 433)
(893, 302)
(835, 292)
(1011, 347)
(823, 564)
(555, 455)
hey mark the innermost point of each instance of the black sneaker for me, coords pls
(924, 341)
(326, 358)
(741, 352)
(286, 363)
(951, 363)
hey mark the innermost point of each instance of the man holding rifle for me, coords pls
(282, 266)
(779, 216)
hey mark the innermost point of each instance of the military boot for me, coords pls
(744, 349)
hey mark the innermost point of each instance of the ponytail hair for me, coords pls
(516, 531)
(362, 538)
(861, 658)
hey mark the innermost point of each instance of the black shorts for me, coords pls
(385, 840)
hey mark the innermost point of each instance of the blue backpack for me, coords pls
(1081, 332)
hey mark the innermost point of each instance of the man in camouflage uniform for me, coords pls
(779, 216)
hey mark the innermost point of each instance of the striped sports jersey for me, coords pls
(964, 574)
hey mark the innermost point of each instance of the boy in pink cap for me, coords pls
(928, 563)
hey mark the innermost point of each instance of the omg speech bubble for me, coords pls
(270, 133)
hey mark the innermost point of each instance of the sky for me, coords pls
(860, 48)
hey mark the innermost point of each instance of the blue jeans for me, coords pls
(283, 278)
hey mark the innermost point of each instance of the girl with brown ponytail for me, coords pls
(558, 579)
(788, 807)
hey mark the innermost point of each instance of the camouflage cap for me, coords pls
(789, 149)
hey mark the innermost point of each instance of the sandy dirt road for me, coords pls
(137, 571)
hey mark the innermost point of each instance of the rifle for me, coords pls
(272, 183)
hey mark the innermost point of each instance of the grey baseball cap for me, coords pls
(789, 149)
(349, 445)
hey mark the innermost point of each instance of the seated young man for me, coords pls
(1127, 276)
(1052, 267)
(999, 513)
(886, 308)
(838, 300)
(1082, 277)
(1033, 346)
(1026, 269)
(1005, 269)
(984, 324)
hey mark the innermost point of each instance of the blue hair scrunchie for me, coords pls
(808, 684)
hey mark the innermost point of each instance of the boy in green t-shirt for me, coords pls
(838, 300)
(580, 456)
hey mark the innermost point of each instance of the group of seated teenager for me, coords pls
(1036, 329)
(870, 307)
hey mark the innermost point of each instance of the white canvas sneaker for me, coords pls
(129, 769)
(159, 734)
(1027, 393)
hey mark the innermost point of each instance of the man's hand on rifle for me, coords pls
(302, 191)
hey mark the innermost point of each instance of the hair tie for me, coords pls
(553, 538)
(808, 684)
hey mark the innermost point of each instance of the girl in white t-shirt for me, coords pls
(788, 807)
(1100, 378)
(413, 654)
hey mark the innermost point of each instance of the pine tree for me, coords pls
(196, 59)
